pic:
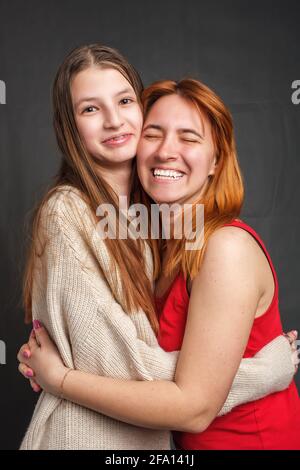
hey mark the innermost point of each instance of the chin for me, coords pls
(164, 200)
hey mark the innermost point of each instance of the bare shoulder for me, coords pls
(231, 267)
(232, 241)
(234, 253)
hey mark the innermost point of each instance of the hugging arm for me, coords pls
(201, 385)
(74, 303)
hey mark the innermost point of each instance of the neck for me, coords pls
(118, 177)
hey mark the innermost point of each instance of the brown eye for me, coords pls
(126, 101)
(89, 109)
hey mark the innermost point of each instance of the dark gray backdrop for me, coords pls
(246, 50)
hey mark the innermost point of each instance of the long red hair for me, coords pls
(224, 194)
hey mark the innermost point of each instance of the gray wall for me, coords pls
(246, 51)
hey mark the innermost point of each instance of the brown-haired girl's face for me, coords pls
(107, 114)
(176, 152)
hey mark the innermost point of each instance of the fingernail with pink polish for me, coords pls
(25, 354)
(29, 373)
(36, 324)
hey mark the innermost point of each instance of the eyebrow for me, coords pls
(181, 131)
(94, 98)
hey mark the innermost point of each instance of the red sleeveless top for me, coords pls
(272, 422)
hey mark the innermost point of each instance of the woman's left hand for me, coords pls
(40, 361)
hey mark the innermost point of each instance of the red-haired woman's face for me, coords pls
(107, 114)
(176, 152)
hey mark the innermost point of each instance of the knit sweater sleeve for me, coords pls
(90, 328)
(74, 302)
(270, 370)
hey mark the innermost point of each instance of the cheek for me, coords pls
(144, 152)
(88, 130)
(140, 162)
(137, 119)
(201, 162)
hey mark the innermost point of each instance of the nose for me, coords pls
(168, 149)
(112, 118)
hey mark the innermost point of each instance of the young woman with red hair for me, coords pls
(217, 304)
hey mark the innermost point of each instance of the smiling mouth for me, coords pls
(170, 175)
(118, 139)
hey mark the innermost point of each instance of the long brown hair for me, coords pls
(224, 193)
(78, 170)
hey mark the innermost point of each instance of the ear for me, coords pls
(213, 167)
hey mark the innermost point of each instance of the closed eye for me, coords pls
(190, 140)
(152, 136)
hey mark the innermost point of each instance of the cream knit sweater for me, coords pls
(73, 301)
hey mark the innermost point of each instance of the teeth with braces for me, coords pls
(167, 174)
(119, 137)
